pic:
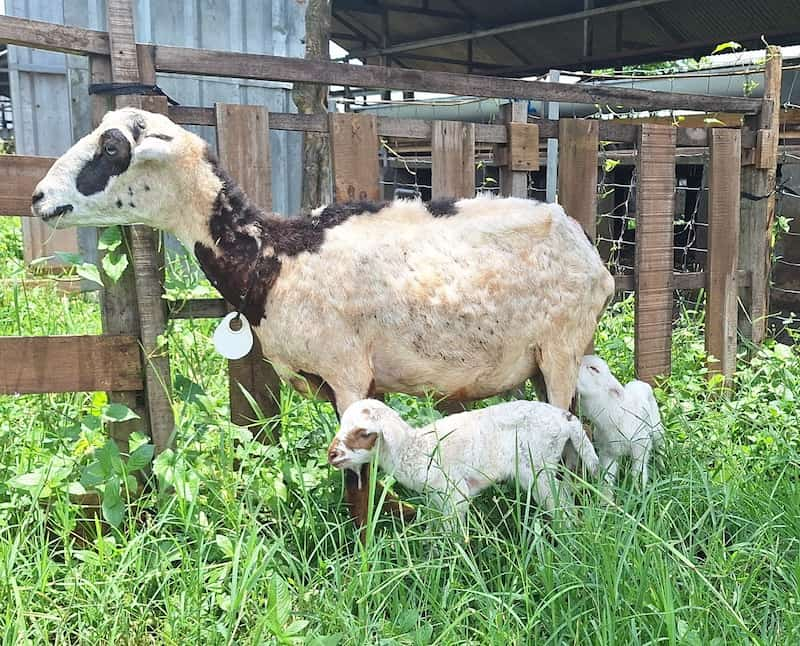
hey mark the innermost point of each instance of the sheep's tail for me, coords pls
(583, 447)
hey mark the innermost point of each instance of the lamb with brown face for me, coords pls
(457, 457)
(462, 299)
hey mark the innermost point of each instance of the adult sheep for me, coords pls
(463, 299)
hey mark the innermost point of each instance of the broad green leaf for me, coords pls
(610, 164)
(114, 265)
(76, 489)
(113, 509)
(118, 413)
(111, 238)
(108, 456)
(89, 272)
(29, 481)
(723, 47)
(93, 475)
(140, 458)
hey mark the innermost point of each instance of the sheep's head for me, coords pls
(595, 378)
(362, 423)
(136, 167)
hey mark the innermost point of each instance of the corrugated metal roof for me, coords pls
(646, 31)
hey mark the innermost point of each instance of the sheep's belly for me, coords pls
(458, 372)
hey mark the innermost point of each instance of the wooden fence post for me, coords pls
(453, 159)
(725, 148)
(758, 205)
(654, 255)
(578, 143)
(243, 144)
(146, 260)
(514, 183)
(354, 154)
(118, 307)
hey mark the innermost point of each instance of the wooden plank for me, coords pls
(243, 144)
(766, 154)
(21, 174)
(523, 147)
(683, 280)
(198, 308)
(354, 152)
(723, 251)
(277, 68)
(755, 225)
(453, 159)
(654, 256)
(53, 37)
(119, 310)
(578, 145)
(514, 183)
(60, 364)
(401, 128)
(147, 259)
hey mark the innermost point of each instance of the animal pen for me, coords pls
(130, 359)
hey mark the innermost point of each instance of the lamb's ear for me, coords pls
(155, 147)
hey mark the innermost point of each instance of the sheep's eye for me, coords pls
(593, 369)
(110, 149)
(362, 432)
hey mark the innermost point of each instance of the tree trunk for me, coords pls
(313, 99)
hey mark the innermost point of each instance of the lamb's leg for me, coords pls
(640, 456)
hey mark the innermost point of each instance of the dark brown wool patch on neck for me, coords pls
(442, 208)
(249, 240)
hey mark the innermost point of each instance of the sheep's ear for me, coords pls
(155, 147)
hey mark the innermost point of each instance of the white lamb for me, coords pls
(626, 420)
(457, 457)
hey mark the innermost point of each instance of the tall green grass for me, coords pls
(253, 545)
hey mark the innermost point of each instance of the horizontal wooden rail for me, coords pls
(181, 60)
(617, 131)
(680, 280)
(264, 67)
(53, 37)
(61, 364)
(19, 175)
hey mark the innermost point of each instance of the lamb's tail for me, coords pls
(583, 447)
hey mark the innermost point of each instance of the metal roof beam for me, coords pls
(504, 29)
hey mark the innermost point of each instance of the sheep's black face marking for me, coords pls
(442, 208)
(112, 158)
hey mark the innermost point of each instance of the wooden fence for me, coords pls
(128, 359)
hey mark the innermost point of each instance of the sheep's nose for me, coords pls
(37, 197)
(334, 454)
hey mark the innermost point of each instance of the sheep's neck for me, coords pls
(236, 260)
(405, 452)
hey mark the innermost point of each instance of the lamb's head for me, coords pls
(361, 426)
(136, 167)
(596, 380)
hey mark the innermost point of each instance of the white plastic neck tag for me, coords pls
(230, 343)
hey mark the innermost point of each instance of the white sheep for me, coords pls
(461, 299)
(626, 420)
(457, 457)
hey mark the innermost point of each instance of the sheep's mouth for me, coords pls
(340, 463)
(57, 212)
